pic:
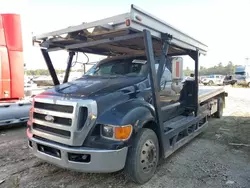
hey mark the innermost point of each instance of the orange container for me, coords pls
(16, 74)
(12, 30)
(5, 87)
(11, 57)
(2, 37)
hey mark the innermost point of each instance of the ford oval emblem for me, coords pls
(49, 118)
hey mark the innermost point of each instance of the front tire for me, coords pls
(143, 156)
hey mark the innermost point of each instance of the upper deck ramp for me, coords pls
(96, 37)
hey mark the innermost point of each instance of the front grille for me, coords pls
(50, 130)
(54, 107)
(57, 120)
(63, 122)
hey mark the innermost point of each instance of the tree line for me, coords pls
(218, 69)
(40, 72)
(229, 69)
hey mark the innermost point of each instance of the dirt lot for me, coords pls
(219, 157)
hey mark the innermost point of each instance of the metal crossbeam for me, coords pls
(98, 42)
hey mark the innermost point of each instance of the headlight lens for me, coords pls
(121, 133)
(107, 131)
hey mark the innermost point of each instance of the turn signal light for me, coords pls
(123, 133)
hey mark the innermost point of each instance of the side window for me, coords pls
(166, 77)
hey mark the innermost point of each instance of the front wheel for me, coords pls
(143, 156)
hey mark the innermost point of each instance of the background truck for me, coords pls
(13, 107)
(132, 109)
(242, 74)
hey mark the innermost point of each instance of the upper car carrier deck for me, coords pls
(122, 26)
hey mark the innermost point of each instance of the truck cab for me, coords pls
(242, 74)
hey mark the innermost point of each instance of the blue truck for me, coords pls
(132, 109)
(242, 75)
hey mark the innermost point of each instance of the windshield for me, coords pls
(120, 67)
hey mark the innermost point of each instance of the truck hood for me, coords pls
(88, 86)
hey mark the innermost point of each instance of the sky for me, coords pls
(223, 25)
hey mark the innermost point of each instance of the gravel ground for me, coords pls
(219, 157)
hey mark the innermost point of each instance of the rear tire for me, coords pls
(219, 112)
(143, 157)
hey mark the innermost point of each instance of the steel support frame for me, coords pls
(46, 49)
(164, 144)
(50, 66)
(69, 64)
(195, 56)
(166, 38)
(94, 43)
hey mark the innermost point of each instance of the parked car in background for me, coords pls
(229, 80)
(213, 80)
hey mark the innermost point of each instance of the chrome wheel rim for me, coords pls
(148, 156)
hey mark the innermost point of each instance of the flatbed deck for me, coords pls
(208, 92)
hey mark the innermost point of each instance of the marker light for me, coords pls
(127, 22)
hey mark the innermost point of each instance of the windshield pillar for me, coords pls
(166, 43)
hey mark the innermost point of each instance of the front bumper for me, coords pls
(101, 161)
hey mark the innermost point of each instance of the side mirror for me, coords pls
(177, 74)
(177, 68)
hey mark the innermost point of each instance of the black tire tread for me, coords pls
(130, 167)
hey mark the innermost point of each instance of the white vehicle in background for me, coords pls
(213, 80)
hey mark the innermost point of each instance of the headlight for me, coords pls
(113, 132)
(107, 131)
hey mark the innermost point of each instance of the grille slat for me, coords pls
(53, 131)
(57, 120)
(54, 107)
